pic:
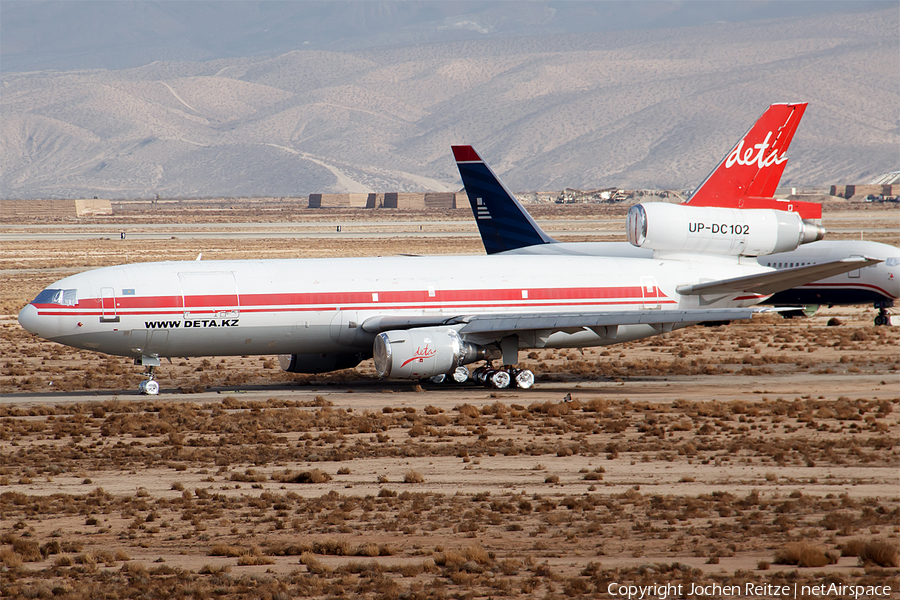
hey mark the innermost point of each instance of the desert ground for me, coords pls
(761, 454)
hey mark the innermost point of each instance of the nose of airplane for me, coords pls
(28, 318)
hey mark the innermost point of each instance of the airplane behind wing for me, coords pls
(728, 186)
(418, 317)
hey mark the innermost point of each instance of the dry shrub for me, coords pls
(64, 561)
(10, 559)
(804, 555)
(214, 569)
(368, 549)
(852, 547)
(248, 476)
(450, 559)
(29, 550)
(333, 548)
(467, 410)
(313, 565)
(412, 570)
(246, 560)
(477, 554)
(314, 476)
(881, 553)
(413, 477)
(225, 550)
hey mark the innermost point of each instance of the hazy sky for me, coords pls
(65, 35)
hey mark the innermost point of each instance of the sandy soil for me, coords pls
(722, 455)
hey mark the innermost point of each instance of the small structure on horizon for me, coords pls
(60, 209)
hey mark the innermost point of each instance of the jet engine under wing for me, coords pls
(777, 281)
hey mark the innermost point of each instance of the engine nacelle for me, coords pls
(421, 353)
(318, 363)
(725, 231)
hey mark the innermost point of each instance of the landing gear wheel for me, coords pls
(883, 318)
(499, 379)
(524, 379)
(149, 387)
(460, 375)
(438, 378)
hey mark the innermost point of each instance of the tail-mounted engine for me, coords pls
(421, 353)
(725, 231)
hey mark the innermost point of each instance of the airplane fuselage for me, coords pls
(869, 285)
(204, 308)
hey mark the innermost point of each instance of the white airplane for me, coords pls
(423, 317)
(746, 178)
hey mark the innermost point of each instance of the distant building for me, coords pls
(58, 209)
(401, 200)
(858, 192)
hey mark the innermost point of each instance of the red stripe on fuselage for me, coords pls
(387, 300)
(848, 285)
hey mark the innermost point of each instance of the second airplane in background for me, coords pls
(746, 178)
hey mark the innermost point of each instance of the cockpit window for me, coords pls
(61, 297)
(892, 261)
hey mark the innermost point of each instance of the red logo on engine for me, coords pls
(420, 354)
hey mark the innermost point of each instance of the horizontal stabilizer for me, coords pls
(766, 284)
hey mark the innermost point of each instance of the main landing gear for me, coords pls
(148, 387)
(490, 377)
(883, 318)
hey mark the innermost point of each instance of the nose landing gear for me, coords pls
(148, 387)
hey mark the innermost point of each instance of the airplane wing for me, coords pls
(777, 281)
(493, 323)
(563, 321)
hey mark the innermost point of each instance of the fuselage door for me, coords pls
(432, 296)
(209, 294)
(854, 274)
(108, 313)
(650, 293)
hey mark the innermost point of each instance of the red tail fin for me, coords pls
(748, 175)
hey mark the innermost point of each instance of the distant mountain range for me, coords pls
(642, 108)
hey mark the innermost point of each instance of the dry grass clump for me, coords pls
(313, 476)
(226, 550)
(804, 555)
(878, 552)
(413, 476)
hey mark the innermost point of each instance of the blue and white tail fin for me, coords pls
(502, 222)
